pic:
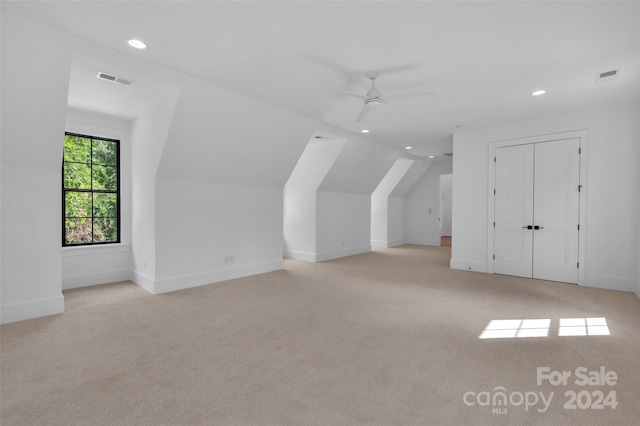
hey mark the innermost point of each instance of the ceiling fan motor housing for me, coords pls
(372, 102)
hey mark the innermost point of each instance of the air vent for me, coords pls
(105, 76)
(607, 76)
(114, 78)
(448, 154)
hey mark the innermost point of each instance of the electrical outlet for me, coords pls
(228, 259)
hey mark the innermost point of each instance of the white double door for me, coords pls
(537, 202)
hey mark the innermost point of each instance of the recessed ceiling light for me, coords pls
(432, 156)
(137, 44)
(364, 131)
(539, 92)
(408, 147)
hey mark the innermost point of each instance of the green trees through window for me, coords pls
(91, 190)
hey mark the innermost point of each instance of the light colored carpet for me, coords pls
(386, 338)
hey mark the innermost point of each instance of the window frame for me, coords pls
(117, 192)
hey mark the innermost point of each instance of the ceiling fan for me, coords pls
(373, 97)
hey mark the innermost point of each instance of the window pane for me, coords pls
(77, 149)
(78, 231)
(105, 177)
(105, 229)
(105, 205)
(77, 204)
(77, 176)
(105, 152)
(90, 190)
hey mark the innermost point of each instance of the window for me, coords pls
(90, 190)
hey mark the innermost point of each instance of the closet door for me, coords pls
(556, 210)
(513, 198)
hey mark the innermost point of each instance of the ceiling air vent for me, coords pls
(448, 154)
(601, 77)
(114, 78)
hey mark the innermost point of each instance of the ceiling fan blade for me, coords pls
(399, 68)
(353, 95)
(402, 96)
(362, 114)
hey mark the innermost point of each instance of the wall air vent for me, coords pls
(601, 77)
(448, 154)
(114, 78)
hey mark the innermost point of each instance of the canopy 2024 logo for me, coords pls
(499, 400)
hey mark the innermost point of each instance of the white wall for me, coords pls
(387, 216)
(423, 206)
(201, 225)
(87, 266)
(637, 290)
(379, 219)
(446, 187)
(33, 115)
(343, 203)
(335, 176)
(300, 192)
(343, 224)
(90, 265)
(149, 136)
(611, 191)
(396, 221)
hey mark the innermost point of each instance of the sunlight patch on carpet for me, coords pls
(520, 328)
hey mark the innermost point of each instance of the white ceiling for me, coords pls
(482, 59)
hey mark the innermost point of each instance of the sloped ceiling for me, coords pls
(482, 59)
(359, 168)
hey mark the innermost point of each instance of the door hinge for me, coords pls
(494, 257)
(494, 192)
(579, 150)
(495, 159)
(494, 224)
(579, 188)
(578, 227)
(578, 265)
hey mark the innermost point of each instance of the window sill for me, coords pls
(96, 250)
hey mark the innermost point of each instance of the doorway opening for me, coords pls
(445, 214)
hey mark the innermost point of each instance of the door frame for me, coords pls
(582, 135)
(440, 205)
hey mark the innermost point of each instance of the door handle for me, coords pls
(538, 227)
(527, 227)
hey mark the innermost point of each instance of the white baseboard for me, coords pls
(167, 285)
(423, 242)
(300, 255)
(396, 243)
(611, 283)
(379, 243)
(335, 254)
(32, 309)
(468, 265)
(104, 277)
(387, 244)
(143, 281)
